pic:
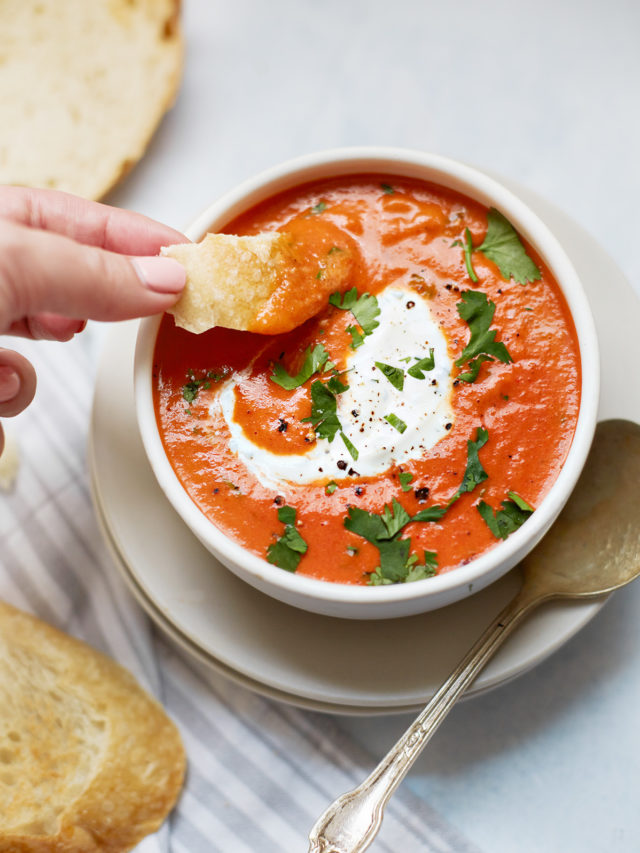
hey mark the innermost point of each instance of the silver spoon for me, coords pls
(592, 549)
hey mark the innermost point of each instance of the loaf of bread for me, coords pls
(83, 85)
(88, 761)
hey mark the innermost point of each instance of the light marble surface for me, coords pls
(546, 93)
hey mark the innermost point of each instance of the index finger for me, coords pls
(88, 222)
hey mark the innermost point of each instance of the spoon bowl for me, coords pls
(591, 550)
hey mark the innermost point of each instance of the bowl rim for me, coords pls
(479, 572)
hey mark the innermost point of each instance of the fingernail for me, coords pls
(162, 275)
(9, 384)
(82, 325)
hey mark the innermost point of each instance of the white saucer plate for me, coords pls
(334, 665)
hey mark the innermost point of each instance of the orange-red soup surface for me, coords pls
(404, 234)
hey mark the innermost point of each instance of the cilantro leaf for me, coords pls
(503, 522)
(474, 368)
(427, 363)
(279, 554)
(287, 552)
(292, 539)
(395, 422)
(314, 359)
(520, 502)
(191, 389)
(387, 188)
(353, 452)
(357, 338)
(420, 572)
(287, 515)
(395, 375)
(383, 531)
(336, 386)
(431, 513)
(405, 478)
(393, 559)
(394, 518)
(323, 417)
(318, 208)
(364, 308)
(468, 249)
(477, 311)
(331, 487)
(503, 246)
(365, 524)
(474, 473)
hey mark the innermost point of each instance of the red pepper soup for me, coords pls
(413, 423)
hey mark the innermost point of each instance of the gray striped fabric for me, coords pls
(260, 772)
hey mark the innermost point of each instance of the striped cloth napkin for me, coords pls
(260, 772)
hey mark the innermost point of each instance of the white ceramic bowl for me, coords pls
(365, 602)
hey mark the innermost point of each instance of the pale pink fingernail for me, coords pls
(162, 275)
(9, 384)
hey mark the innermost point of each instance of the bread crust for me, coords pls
(91, 762)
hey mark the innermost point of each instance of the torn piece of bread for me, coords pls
(83, 85)
(269, 283)
(229, 279)
(88, 761)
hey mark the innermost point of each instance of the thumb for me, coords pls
(42, 272)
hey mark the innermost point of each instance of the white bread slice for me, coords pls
(229, 279)
(83, 85)
(88, 761)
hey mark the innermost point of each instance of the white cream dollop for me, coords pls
(406, 330)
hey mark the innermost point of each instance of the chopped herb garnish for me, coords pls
(474, 473)
(431, 513)
(395, 375)
(323, 416)
(387, 188)
(318, 208)
(190, 392)
(468, 249)
(320, 273)
(395, 422)
(503, 246)
(427, 363)
(419, 572)
(357, 338)
(351, 549)
(336, 386)
(352, 450)
(190, 389)
(364, 308)
(503, 522)
(477, 311)
(383, 531)
(405, 478)
(287, 552)
(314, 359)
(331, 487)
(334, 249)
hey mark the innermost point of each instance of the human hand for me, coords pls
(64, 260)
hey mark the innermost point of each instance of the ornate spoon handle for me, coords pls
(351, 823)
